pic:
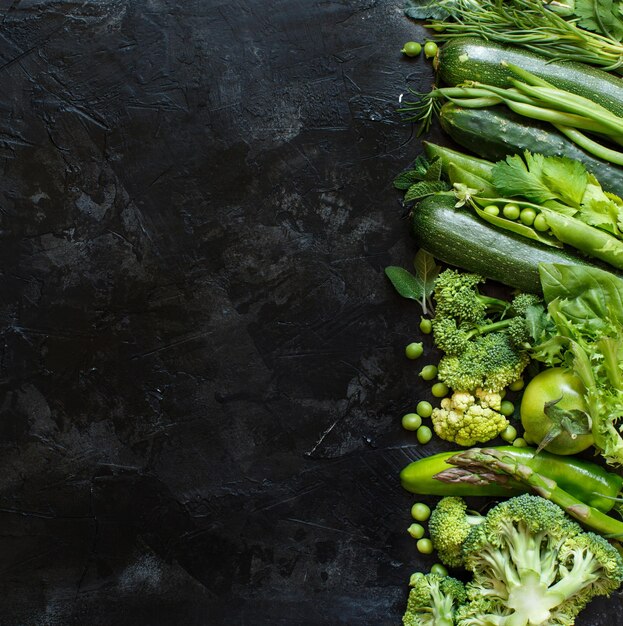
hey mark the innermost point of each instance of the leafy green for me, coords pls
(424, 188)
(425, 9)
(422, 179)
(600, 16)
(417, 287)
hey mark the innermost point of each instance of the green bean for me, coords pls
(474, 103)
(594, 147)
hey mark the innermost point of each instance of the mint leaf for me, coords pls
(424, 188)
(405, 283)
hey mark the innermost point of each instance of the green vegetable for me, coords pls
(416, 531)
(507, 408)
(497, 132)
(449, 526)
(424, 409)
(414, 350)
(485, 465)
(411, 421)
(412, 49)
(426, 326)
(587, 481)
(554, 413)
(433, 600)
(462, 239)
(440, 390)
(466, 419)
(424, 434)
(430, 49)
(438, 569)
(532, 565)
(509, 434)
(428, 372)
(420, 512)
(520, 443)
(474, 58)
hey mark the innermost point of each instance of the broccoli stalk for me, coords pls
(489, 466)
(433, 600)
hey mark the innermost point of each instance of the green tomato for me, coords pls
(411, 421)
(420, 512)
(412, 48)
(414, 350)
(424, 409)
(550, 385)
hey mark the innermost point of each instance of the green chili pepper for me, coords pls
(587, 481)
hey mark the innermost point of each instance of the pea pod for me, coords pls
(587, 481)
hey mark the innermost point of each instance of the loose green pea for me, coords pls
(511, 211)
(440, 390)
(492, 210)
(517, 385)
(424, 409)
(430, 49)
(438, 569)
(414, 350)
(540, 223)
(428, 372)
(424, 434)
(426, 326)
(527, 216)
(412, 48)
(425, 546)
(411, 421)
(520, 443)
(420, 511)
(416, 531)
(509, 434)
(507, 408)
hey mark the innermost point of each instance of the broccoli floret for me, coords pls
(456, 296)
(449, 337)
(449, 525)
(523, 301)
(490, 361)
(433, 600)
(532, 564)
(465, 420)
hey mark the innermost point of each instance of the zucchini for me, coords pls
(460, 238)
(472, 58)
(496, 132)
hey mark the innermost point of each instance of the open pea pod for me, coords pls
(478, 203)
(588, 239)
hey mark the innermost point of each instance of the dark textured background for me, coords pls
(202, 369)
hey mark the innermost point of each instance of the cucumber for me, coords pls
(471, 58)
(460, 238)
(496, 132)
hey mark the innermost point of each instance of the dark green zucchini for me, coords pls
(460, 238)
(471, 58)
(495, 132)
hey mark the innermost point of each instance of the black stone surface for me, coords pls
(202, 368)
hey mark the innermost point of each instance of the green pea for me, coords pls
(520, 443)
(425, 546)
(428, 372)
(412, 48)
(440, 390)
(430, 49)
(426, 326)
(517, 385)
(511, 211)
(420, 511)
(527, 216)
(509, 434)
(438, 569)
(492, 210)
(414, 350)
(411, 421)
(507, 408)
(540, 223)
(424, 409)
(424, 434)
(416, 531)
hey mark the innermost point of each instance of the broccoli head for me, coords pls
(466, 420)
(449, 525)
(433, 600)
(456, 296)
(491, 362)
(532, 565)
